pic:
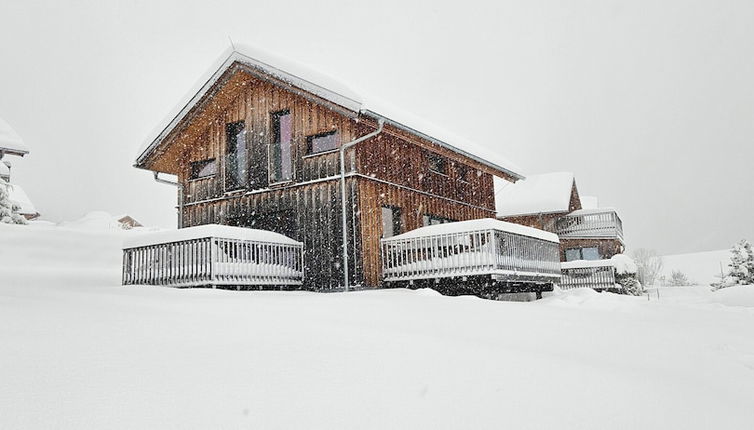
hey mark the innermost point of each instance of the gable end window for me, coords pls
(235, 155)
(588, 253)
(281, 149)
(438, 164)
(322, 142)
(203, 169)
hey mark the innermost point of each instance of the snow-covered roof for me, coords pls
(19, 196)
(204, 231)
(537, 194)
(10, 141)
(476, 225)
(328, 89)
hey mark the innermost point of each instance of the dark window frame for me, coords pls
(580, 250)
(233, 129)
(436, 160)
(275, 136)
(463, 172)
(397, 214)
(195, 168)
(310, 139)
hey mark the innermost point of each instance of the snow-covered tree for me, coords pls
(8, 209)
(648, 264)
(742, 263)
(626, 274)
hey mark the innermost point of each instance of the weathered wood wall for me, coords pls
(373, 195)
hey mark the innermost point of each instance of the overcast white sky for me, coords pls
(649, 103)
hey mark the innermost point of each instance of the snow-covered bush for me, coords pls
(679, 279)
(649, 265)
(8, 209)
(741, 266)
(626, 274)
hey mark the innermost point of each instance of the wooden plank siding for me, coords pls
(391, 169)
(373, 195)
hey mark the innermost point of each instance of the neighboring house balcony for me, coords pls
(600, 223)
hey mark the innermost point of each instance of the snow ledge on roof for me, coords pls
(537, 194)
(10, 140)
(477, 225)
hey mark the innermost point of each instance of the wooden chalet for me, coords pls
(589, 236)
(257, 145)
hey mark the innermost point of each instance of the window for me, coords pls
(322, 142)
(235, 157)
(203, 169)
(434, 220)
(391, 221)
(464, 172)
(438, 164)
(590, 253)
(281, 151)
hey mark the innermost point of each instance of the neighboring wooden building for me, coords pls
(551, 202)
(256, 146)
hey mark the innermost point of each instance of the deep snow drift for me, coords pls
(79, 351)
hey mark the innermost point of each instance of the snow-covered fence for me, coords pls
(590, 223)
(213, 255)
(502, 250)
(597, 274)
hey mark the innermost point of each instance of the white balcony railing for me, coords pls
(509, 252)
(213, 255)
(598, 275)
(590, 223)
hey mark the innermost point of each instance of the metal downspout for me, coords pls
(344, 222)
(180, 196)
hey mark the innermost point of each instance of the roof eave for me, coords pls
(376, 116)
(13, 151)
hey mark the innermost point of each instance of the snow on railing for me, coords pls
(595, 223)
(596, 274)
(189, 261)
(471, 248)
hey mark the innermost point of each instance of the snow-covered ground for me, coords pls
(77, 350)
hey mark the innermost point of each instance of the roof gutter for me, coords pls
(344, 222)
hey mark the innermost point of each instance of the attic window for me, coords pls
(464, 172)
(203, 169)
(438, 164)
(322, 142)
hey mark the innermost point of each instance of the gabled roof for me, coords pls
(10, 141)
(537, 194)
(297, 77)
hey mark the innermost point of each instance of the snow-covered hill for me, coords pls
(702, 268)
(79, 351)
